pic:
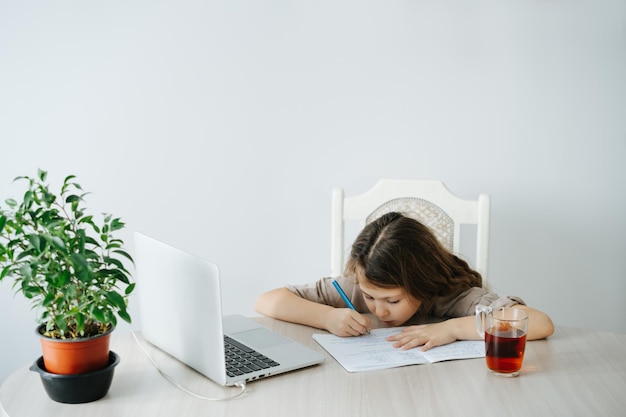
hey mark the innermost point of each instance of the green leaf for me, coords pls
(67, 183)
(91, 241)
(61, 324)
(81, 267)
(117, 224)
(125, 254)
(48, 197)
(24, 254)
(130, 288)
(5, 272)
(25, 271)
(28, 198)
(80, 322)
(72, 198)
(47, 300)
(116, 299)
(120, 275)
(99, 315)
(31, 291)
(70, 289)
(115, 274)
(124, 315)
(63, 279)
(114, 261)
(86, 219)
(57, 242)
(38, 244)
(69, 177)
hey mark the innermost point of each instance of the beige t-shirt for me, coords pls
(456, 305)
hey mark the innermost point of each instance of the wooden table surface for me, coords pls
(576, 372)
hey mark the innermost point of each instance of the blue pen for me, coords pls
(345, 298)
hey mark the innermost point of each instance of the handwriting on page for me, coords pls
(462, 349)
(370, 352)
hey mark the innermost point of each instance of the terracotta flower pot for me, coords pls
(75, 356)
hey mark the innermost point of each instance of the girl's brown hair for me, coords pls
(398, 251)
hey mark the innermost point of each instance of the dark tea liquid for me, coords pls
(505, 350)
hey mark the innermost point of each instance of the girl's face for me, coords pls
(393, 306)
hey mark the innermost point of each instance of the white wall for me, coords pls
(221, 128)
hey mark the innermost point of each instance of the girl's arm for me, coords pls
(464, 328)
(284, 305)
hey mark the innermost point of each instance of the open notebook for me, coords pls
(371, 351)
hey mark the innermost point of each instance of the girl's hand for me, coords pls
(428, 335)
(346, 322)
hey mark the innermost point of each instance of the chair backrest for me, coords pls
(430, 202)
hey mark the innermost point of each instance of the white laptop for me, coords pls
(181, 313)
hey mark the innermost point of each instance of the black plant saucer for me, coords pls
(79, 388)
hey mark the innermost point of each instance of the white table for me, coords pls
(576, 372)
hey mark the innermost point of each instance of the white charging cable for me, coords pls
(240, 384)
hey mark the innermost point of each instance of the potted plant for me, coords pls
(71, 266)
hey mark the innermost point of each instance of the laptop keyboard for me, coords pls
(240, 359)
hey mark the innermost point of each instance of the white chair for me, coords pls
(430, 202)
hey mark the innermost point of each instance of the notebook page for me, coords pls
(372, 351)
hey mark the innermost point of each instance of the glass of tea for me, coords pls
(504, 331)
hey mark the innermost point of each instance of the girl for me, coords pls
(399, 272)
